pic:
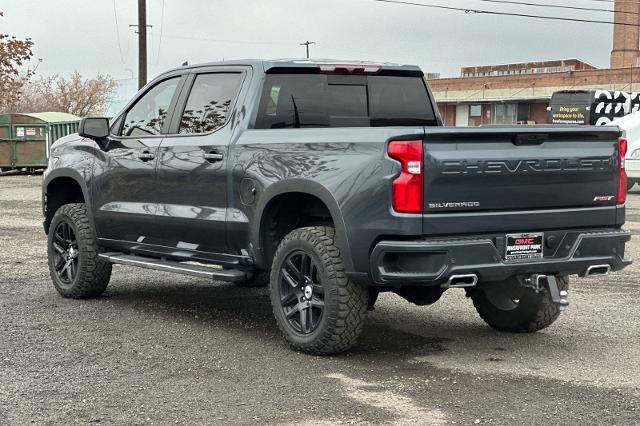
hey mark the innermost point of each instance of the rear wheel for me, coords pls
(317, 308)
(509, 306)
(75, 268)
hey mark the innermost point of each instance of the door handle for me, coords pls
(146, 156)
(212, 156)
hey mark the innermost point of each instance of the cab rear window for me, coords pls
(330, 100)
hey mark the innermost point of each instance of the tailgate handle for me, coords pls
(530, 139)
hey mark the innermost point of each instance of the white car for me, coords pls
(630, 126)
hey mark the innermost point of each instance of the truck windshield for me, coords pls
(329, 100)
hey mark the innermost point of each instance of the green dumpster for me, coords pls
(25, 139)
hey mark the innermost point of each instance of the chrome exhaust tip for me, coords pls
(461, 281)
(598, 271)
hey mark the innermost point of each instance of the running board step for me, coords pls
(195, 270)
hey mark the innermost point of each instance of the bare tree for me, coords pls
(75, 94)
(14, 53)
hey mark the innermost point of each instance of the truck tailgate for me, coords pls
(500, 169)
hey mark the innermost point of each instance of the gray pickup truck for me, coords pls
(332, 182)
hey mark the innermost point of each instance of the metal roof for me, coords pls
(52, 117)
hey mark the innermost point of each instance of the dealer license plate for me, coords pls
(524, 246)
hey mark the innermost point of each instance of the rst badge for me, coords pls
(603, 198)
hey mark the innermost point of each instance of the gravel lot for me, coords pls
(164, 349)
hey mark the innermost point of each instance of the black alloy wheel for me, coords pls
(65, 253)
(318, 309)
(302, 293)
(73, 255)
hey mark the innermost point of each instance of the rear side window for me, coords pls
(209, 102)
(327, 100)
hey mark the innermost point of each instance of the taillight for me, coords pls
(623, 145)
(407, 189)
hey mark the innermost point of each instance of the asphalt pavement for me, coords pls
(165, 349)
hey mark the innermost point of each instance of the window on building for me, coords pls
(475, 111)
(505, 114)
(524, 113)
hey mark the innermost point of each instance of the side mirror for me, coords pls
(94, 128)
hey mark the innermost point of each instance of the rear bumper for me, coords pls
(433, 262)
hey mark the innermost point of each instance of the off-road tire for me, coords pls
(93, 274)
(345, 302)
(259, 279)
(534, 312)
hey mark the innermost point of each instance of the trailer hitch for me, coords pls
(541, 282)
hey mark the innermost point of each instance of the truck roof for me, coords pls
(267, 64)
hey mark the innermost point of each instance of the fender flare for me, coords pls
(74, 175)
(306, 187)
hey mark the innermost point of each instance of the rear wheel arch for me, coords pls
(309, 199)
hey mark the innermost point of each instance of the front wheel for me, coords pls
(75, 268)
(317, 308)
(509, 306)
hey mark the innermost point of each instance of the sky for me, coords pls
(93, 36)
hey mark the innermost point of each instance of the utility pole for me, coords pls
(307, 43)
(142, 42)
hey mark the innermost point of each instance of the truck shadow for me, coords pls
(393, 333)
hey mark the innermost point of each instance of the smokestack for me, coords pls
(626, 39)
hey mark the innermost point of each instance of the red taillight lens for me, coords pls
(623, 145)
(407, 189)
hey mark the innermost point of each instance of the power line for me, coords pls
(152, 42)
(616, 1)
(557, 6)
(492, 12)
(123, 58)
(160, 36)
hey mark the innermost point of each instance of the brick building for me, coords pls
(520, 93)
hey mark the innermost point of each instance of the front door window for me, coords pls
(149, 113)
